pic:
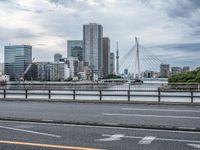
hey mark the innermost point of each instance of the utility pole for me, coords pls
(117, 58)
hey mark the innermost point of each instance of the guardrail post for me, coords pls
(4, 93)
(49, 94)
(192, 96)
(128, 95)
(158, 94)
(100, 95)
(74, 95)
(26, 93)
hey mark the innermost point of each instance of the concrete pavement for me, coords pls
(46, 136)
(130, 115)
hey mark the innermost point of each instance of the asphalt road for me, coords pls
(46, 136)
(113, 114)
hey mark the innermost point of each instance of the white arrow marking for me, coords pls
(147, 140)
(115, 137)
(194, 145)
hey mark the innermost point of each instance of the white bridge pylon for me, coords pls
(138, 60)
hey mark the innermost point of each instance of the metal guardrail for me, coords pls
(128, 94)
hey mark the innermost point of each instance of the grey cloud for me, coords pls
(39, 11)
(183, 8)
(5, 1)
(179, 53)
(8, 34)
(184, 47)
(78, 3)
(175, 8)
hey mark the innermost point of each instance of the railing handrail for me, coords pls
(99, 92)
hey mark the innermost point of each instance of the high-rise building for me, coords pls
(57, 58)
(125, 71)
(46, 71)
(112, 63)
(164, 70)
(186, 68)
(75, 49)
(106, 56)
(176, 70)
(17, 58)
(93, 47)
(1, 68)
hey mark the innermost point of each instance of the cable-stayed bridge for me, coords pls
(139, 59)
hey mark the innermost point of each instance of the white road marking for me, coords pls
(111, 123)
(187, 128)
(159, 139)
(115, 137)
(154, 116)
(23, 126)
(147, 140)
(29, 131)
(194, 145)
(47, 120)
(164, 110)
(101, 127)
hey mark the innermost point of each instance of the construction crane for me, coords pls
(22, 77)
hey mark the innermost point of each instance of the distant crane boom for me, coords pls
(27, 69)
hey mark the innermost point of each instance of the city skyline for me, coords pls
(164, 27)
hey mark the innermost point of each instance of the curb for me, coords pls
(98, 101)
(97, 124)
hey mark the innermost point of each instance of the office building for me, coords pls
(48, 71)
(1, 68)
(17, 58)
(186, 69)
(164, 70)
(175, 70)
(93, 47)
(125, 71)
(72, 65)
(106, 57)
(112, 63)
(57, 58)
(45, 71)
(75, 49)
(148, 74)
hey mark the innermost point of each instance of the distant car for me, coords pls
(136, 81)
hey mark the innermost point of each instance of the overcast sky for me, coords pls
(169, 28)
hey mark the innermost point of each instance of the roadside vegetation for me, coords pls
(189, 77)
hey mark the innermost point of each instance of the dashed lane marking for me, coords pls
(147, 140)
(153, 116)
(102, 127)
(158, 139)
(164, 110)
(115, 137)
(24, 126)
(29, 131)
(194, 145)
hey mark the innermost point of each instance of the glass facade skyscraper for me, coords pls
(17, 58)
(93, 47)
(75, 49)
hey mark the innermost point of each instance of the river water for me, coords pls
(145, 92)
